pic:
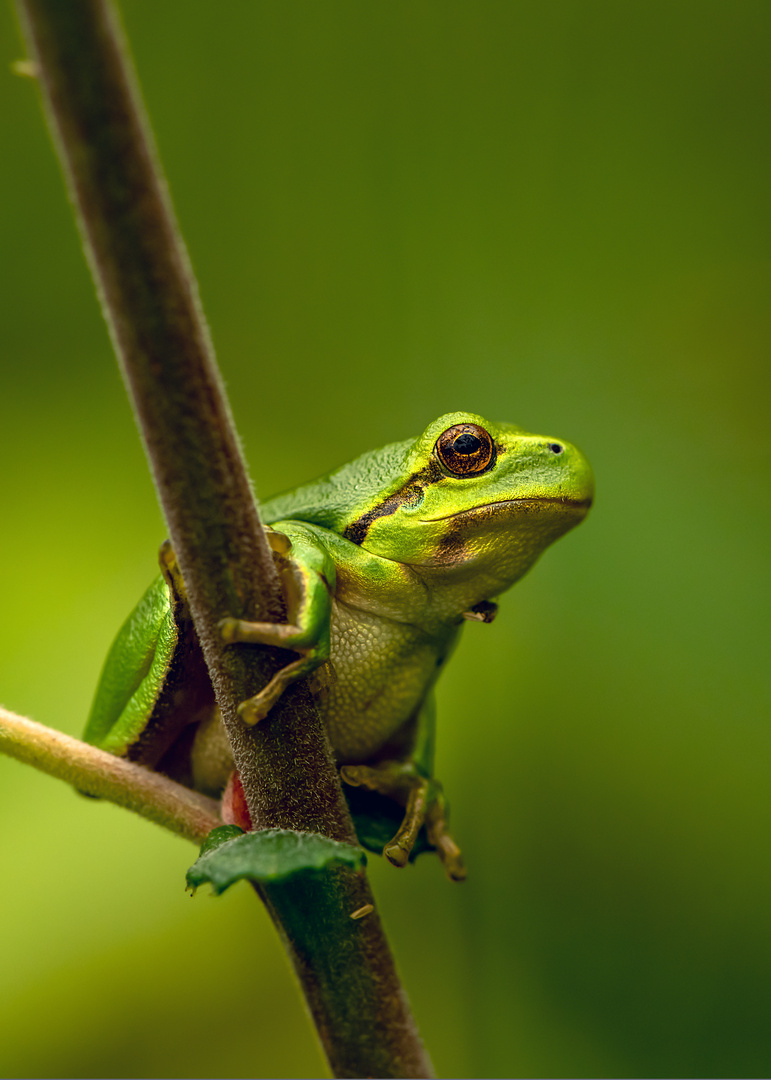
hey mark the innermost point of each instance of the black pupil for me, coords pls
(467, 444)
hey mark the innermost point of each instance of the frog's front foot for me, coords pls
(282, 635)
(485, 611)
(304, 576)
(424, 804)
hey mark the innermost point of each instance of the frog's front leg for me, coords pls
(307, 578)
(410, 784)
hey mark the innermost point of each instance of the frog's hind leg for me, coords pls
(154, 685)
(409, 783)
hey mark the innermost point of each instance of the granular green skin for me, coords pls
(381, 562)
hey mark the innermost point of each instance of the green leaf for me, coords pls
(219, 836)
(266, 855)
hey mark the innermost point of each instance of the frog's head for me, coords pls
(475, 497)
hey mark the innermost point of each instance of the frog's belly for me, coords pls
(381, 672)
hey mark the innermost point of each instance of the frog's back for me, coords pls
(338, 497)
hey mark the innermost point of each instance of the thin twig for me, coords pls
(150, 301)
(95, 772)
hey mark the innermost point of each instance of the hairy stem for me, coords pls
(151, 305)
(95, 772)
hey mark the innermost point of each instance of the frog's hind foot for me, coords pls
(424, 804)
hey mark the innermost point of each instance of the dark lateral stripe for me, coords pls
(409, 495)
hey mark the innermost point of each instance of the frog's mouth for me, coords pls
(502, 505)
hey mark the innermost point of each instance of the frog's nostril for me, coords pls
(555, 447)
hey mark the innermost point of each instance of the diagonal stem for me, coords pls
(150, 301)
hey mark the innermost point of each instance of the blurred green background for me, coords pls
(552, 213)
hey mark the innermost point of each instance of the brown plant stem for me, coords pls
(95, 772)
(150, 301)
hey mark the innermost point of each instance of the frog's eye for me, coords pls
(466, 450)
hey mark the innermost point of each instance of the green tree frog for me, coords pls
(381, 562)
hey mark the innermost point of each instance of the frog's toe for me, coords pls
(398, 850)
(359, 776)
(446, 848)
(229, 630)
(485, 611)
(257, 708)
(253, 710)
(279, 542)
(396, 854)
(452, 860)
(167, 561)
(390, 778)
